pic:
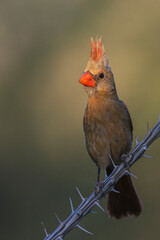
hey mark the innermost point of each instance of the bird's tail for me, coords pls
(126, 202)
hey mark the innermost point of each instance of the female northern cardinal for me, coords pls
(108, 130)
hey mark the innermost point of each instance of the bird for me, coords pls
(108, 130)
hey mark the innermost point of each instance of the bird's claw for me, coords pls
(123, 159)
(98, 186)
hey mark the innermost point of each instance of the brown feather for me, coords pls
(108, 130)
(126, 203)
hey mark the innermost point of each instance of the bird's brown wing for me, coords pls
(128, 116)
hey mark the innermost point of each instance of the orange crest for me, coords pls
(96, 49)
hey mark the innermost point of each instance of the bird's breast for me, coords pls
(106, 132)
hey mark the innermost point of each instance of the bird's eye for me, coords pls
(101, 75)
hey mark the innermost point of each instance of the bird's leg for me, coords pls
(98, 175)
(105, 172)
(98, 183)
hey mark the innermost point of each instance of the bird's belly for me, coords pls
(103, 142)
(98, 144)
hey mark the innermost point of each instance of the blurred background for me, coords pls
(44, 48)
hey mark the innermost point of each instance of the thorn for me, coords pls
(112, 161)
(146, 156)
(83, 199)
(98, 205)
(58, 219)
(83, 229)
(59, 238)
(71, 205)
(137, 140)
(94, 185)
(45, 229)
(148, 126)
(145, 148)
(131, 174)
(114, 190)
(93, 212)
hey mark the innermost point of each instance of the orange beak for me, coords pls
(87, 80)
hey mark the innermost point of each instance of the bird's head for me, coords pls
(98, 77)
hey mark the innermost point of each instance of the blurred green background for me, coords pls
(44, 48)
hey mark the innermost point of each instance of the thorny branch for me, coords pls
(86, 205)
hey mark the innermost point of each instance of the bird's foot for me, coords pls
(123, 159)
(98, 186)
